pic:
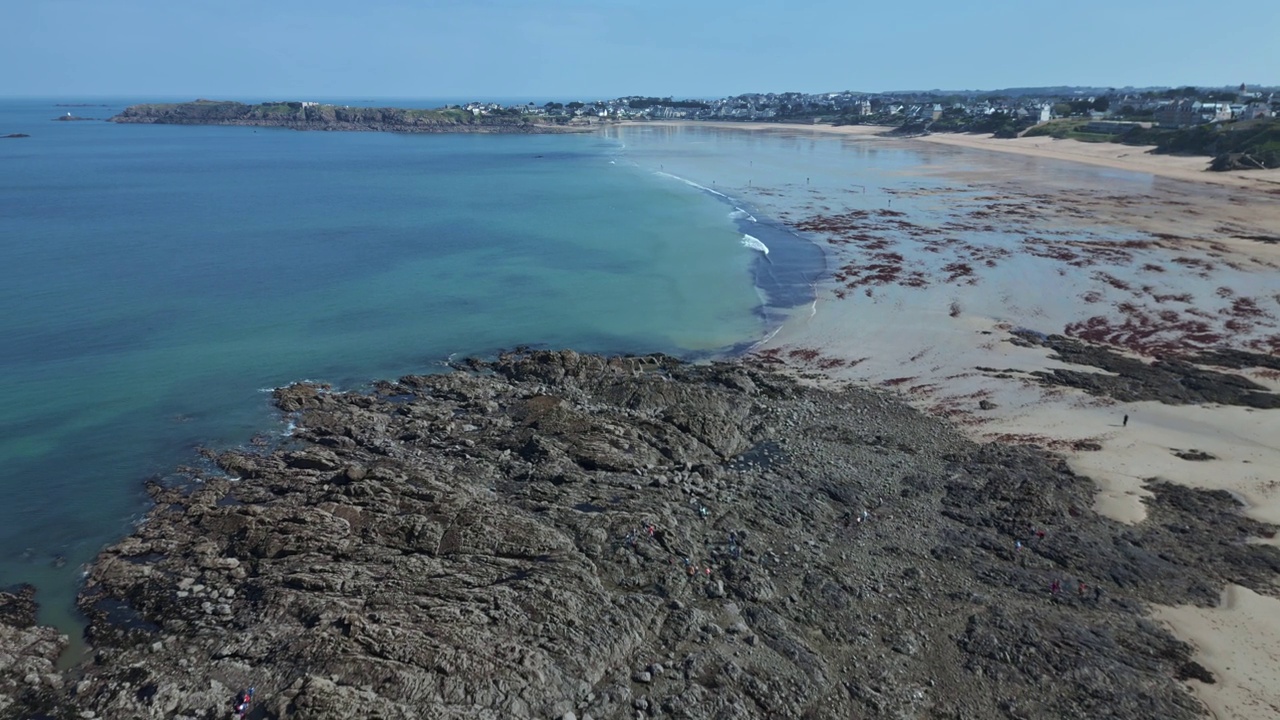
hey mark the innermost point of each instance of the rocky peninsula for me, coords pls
(551, 534)
(317, 116)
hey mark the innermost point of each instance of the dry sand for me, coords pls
(1236, 642)
(926, 343)
(1112, 155)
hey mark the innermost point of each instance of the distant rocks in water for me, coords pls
(14, 135)
(73, 118)
(317, 116)
(552, 534)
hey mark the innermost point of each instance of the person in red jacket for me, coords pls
(243, 701)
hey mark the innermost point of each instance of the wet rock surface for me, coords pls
(1175, 381)
(558, 535)
(30, 684)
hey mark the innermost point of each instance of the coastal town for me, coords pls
(1240, 126)
(1166, 107)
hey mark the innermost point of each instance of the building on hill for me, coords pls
(1182, 113)
(1185, 113)
(1256, 110)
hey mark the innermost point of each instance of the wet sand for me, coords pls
(1163, 261)
(1134, 158)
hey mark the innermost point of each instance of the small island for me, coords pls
(317, 116)
(13, 135)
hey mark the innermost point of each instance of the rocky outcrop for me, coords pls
(30, 683)
(1175, 381)
(313, 116)
(561, 535)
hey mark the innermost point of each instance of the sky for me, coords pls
(583, 49)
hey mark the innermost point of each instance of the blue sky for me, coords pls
(564, 49)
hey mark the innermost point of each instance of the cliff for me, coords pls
(309, 116)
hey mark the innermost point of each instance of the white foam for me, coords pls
(754, 243)
(691, 183)
(738, 213)
(757, 344)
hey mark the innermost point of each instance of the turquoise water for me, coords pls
(155, 279)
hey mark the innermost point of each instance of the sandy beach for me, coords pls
(1166, 260)
(1112, 155)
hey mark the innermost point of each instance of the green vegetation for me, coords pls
(640, 103)
(303, 116)
(1233, 145)
(1242, 144)
(1069, 129)
(448, 115)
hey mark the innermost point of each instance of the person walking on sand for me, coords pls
(1125, 421)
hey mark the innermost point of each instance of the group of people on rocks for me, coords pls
(1083, 591)
(649, 532)
(244, 701)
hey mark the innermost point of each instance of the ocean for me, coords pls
(157, 281)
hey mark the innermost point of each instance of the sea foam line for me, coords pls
(760, 343)
(754, 243)
(691, 183)
(738, 213)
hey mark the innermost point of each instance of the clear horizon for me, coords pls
(579, 49)
(562, 97)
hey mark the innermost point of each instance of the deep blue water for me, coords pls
(155, 279)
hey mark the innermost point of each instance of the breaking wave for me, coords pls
(691, 183)
(754, 243)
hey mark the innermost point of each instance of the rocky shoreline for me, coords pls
(560, 535)
(314, 116)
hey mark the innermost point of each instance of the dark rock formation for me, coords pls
(1174, 381)
(558, 535)
(1236, 359)
(313, 116)
(1244, 161)
(30, 683)
(14, 135)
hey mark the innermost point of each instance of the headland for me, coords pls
(318, 116)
